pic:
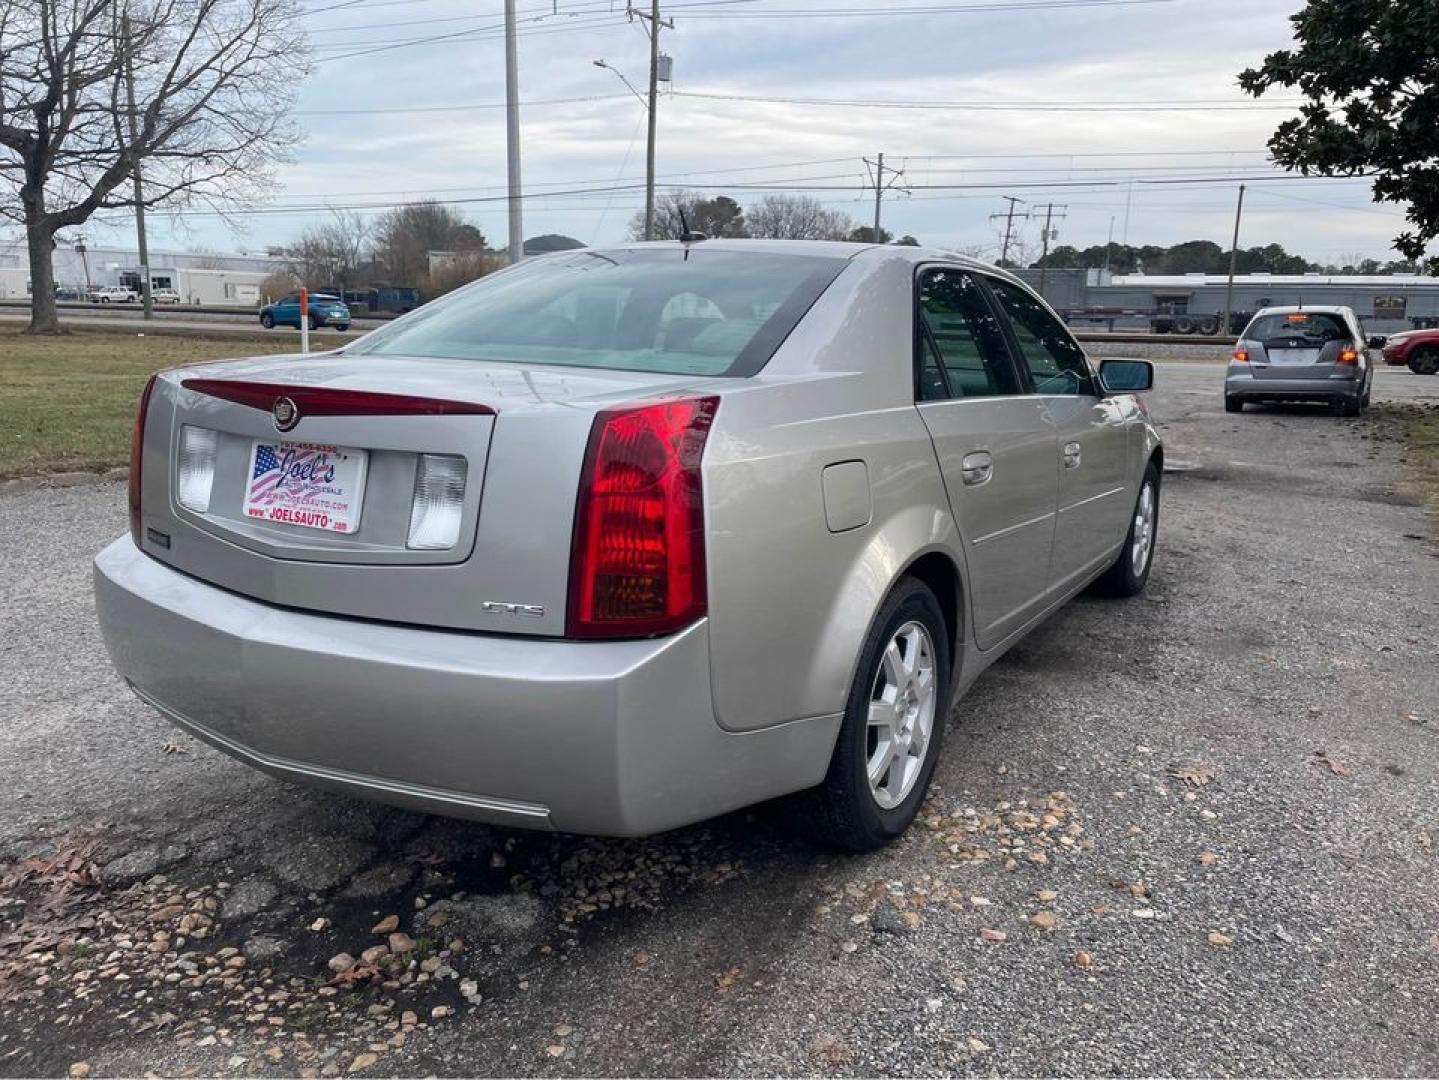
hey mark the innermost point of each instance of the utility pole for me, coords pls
(147, 300)
(1233, 262)
(1044, 257)
(653, 16)
(1109, 249)
(878, 169)
(1009, 216)
(512, 135)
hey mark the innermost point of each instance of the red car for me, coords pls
(1417, 348)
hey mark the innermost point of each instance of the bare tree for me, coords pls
(796, 217)
(406, 235)
(211, 83)
(718, 217)
(329, 255)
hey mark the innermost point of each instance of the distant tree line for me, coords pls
(773, 217)
(1207, 257)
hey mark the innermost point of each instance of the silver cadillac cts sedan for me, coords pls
(617, 540)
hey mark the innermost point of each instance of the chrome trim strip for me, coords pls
(1012, 528)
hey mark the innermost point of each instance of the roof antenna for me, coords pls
(688, 236)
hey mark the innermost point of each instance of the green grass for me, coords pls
(67, 403)
(1421, 458)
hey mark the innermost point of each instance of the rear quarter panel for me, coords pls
(791, 601)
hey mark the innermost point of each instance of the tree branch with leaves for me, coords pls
(1369, 70)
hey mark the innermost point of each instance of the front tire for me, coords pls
(267, 320)
(342, 327)
(1131, 570)
(893, 727)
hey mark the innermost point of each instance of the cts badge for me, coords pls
(496, 607)
(285, 413)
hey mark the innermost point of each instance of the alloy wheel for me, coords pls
(902, 710)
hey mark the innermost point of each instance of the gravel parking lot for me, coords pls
(1188, 834)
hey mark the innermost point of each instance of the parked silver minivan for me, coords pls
(1301, 354)
(616, 540)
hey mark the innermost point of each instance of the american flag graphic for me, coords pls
(270, 468)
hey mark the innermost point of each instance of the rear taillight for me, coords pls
(438, 505)
(637, 562)
(195, 470)
(1241, 356)
(1349, 356)
(137, 455)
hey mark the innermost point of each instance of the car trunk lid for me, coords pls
(515, 435)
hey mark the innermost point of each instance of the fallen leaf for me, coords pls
(988, 934)
(1193, 775)
(1218, 939)
(1207, 858)
(726, 979)
(80, 1069)
(1047, 896)
(977, 1046)
(555, 1050)
(641, 958)
(1337, 767)
(363, 1061)
(1426, 841)
(831, 1050)
(388, 925)
(1042, 919)
(173, 747)
(564, 1030)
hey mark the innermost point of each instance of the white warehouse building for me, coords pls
(199, 277)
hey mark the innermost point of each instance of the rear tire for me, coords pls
(1233, 404)
(314, 324)
(1130, 571)
(1348, 406)
(1424, 362)
(892, 705)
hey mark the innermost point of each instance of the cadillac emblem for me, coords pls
(286, 415)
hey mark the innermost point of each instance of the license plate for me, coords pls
(312, 485)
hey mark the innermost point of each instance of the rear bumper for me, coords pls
(615, 738)
(1250, 388)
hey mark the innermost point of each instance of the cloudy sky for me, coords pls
(406, 101)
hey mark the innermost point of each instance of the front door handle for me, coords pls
(1071, 455)
(977, 468)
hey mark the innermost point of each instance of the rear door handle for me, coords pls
(977, 468)
(1071, 455)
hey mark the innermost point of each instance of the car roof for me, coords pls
(842, 249)
(1295, 309)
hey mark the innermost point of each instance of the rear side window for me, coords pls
(962, 352)
(1056, 362)
(669, 310)
(1310, 326)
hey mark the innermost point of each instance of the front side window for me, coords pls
(1056, 362)
(680, 311)
(962, 348)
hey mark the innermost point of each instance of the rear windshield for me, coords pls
(1318, 326)
(667, 310)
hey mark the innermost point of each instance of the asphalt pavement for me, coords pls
(1191, 833)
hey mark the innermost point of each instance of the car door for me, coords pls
(1093, 436)
(287, 310)
(996, 449)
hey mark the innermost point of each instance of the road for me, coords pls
(1241, 764)
(112, 318)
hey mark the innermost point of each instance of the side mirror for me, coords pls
(1376, 341)
(1126, 376)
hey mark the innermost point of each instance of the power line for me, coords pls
(976, 106)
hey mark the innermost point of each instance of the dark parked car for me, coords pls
(325, 310)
